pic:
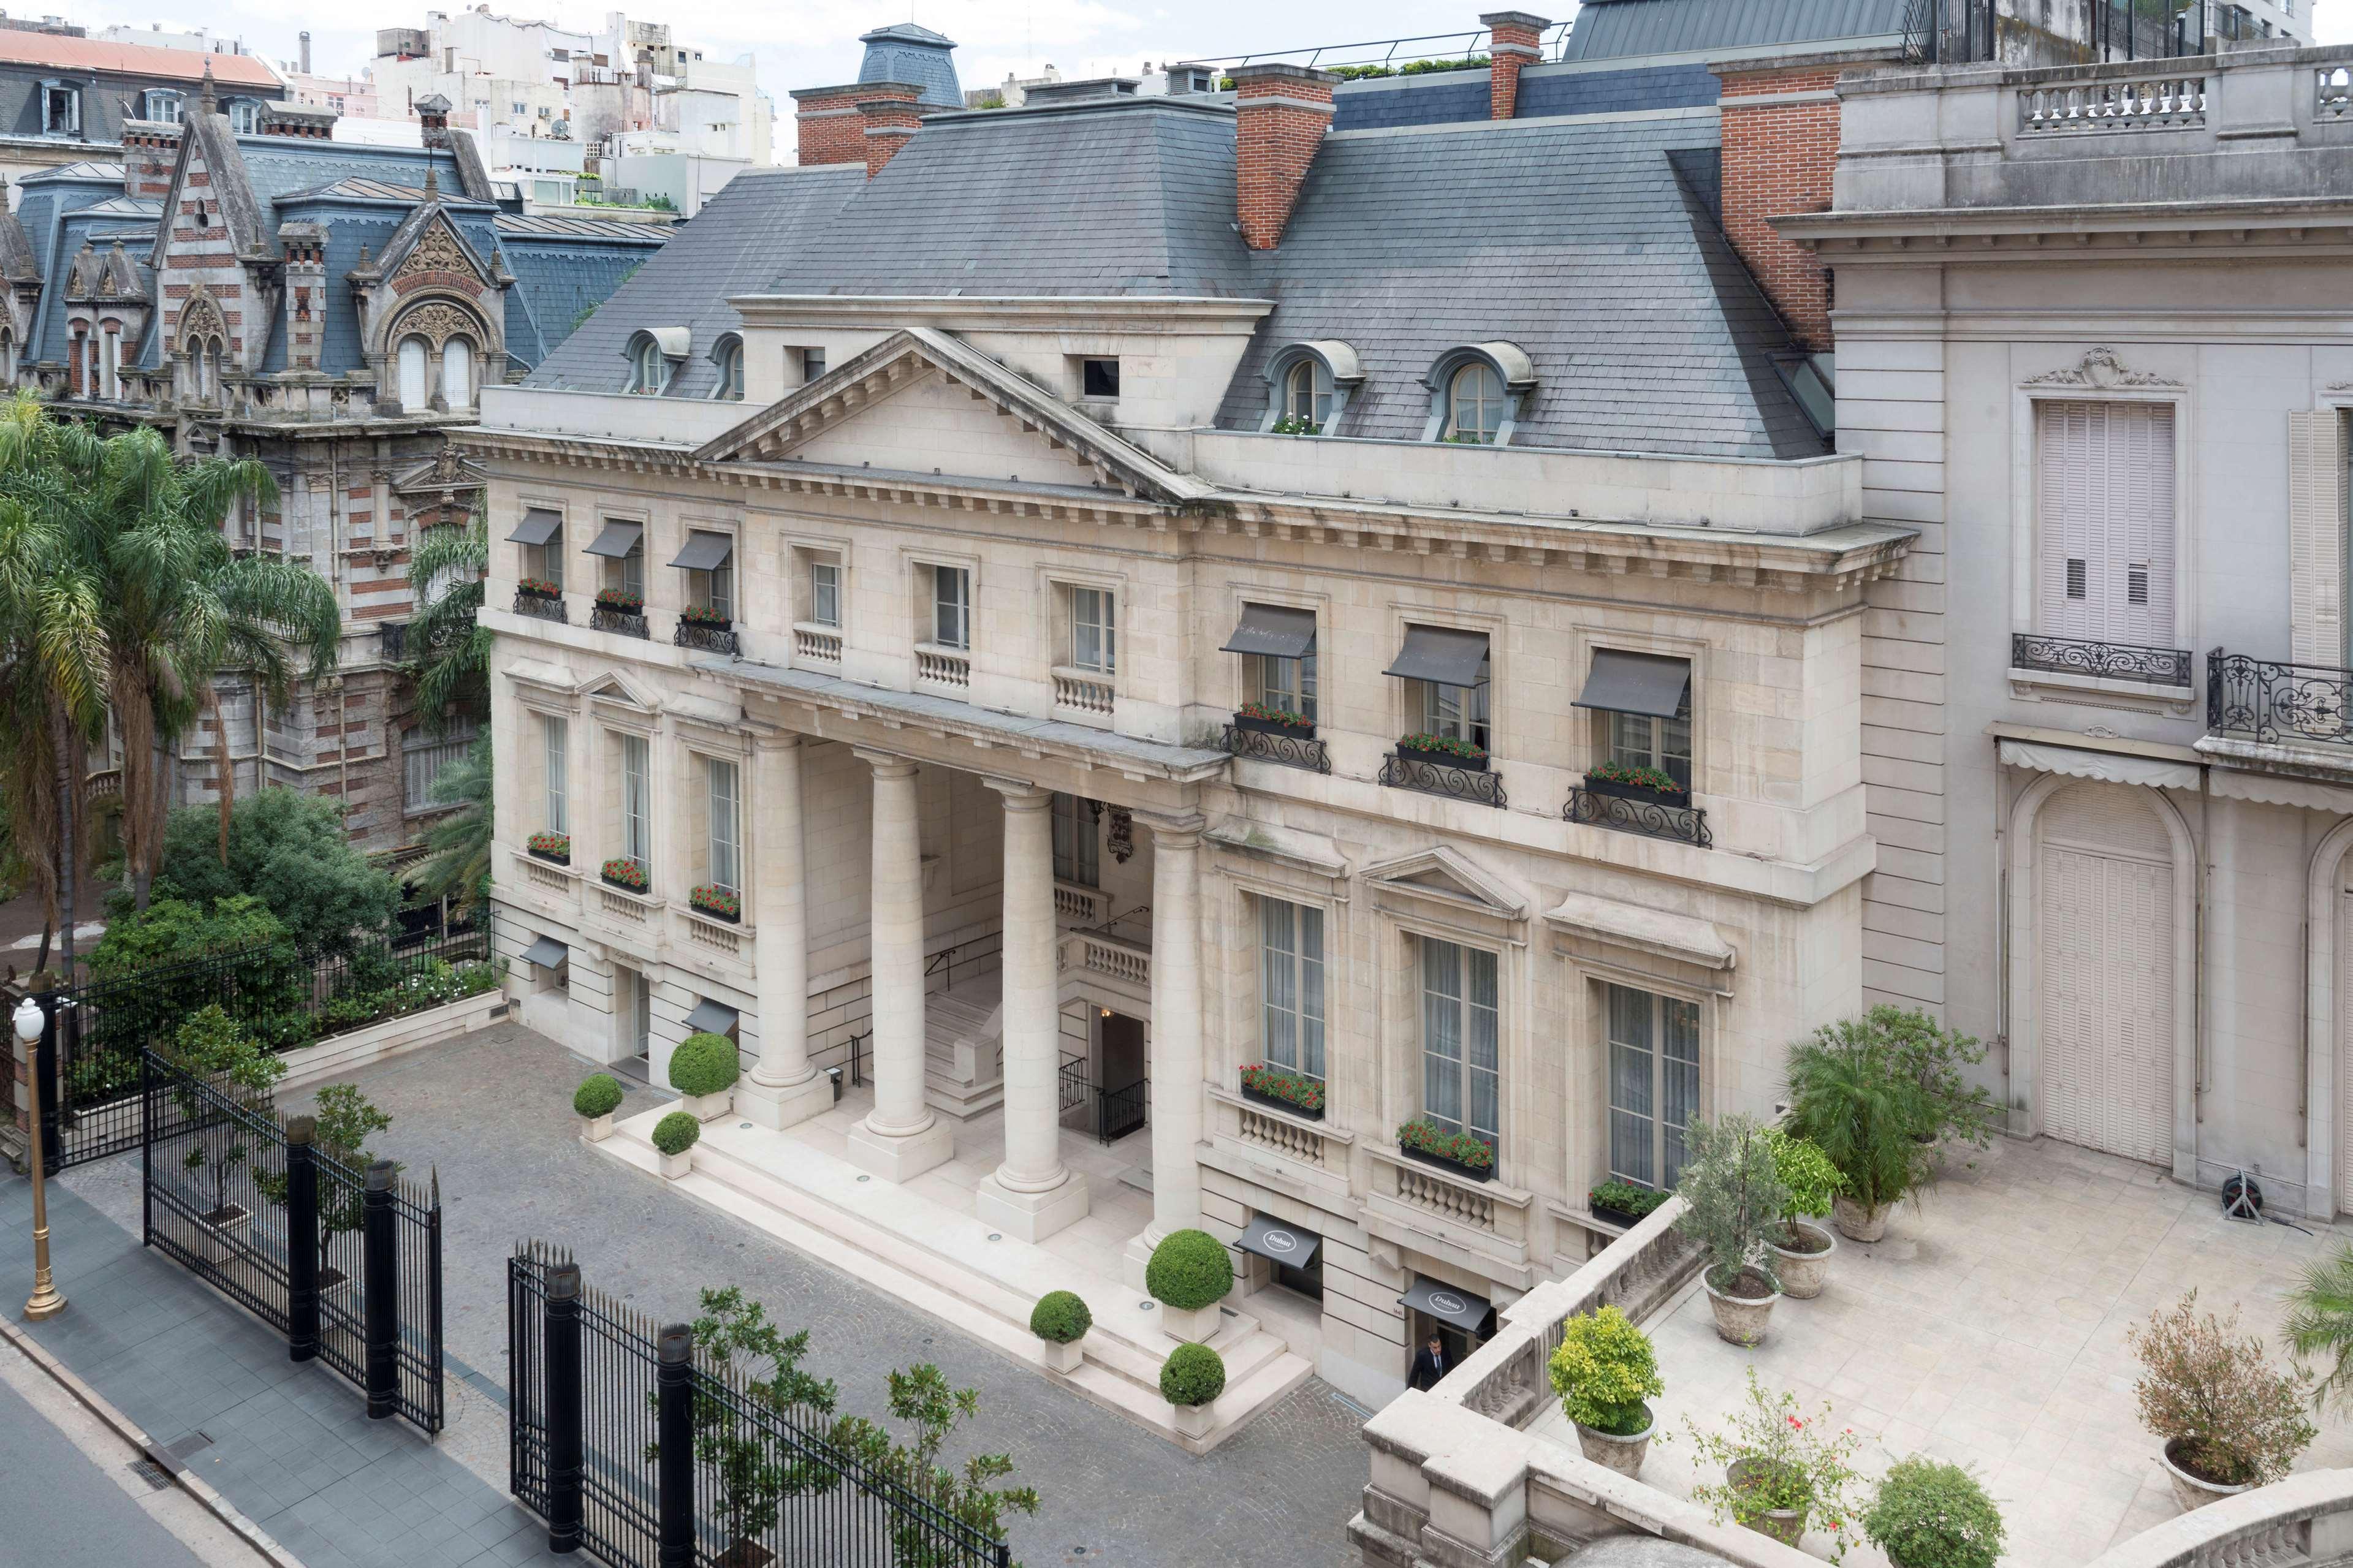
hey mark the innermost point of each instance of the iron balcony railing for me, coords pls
(1626, 814)
(2277, 703)
(539, 605)
(1390, 54)
(627, 623)
(2106, 660)
(1482, 786)
(1974, 32)
(1273, 746)
(703, 635)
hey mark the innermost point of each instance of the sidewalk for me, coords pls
(290, 1446)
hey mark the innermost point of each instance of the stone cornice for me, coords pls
(2225, 231)
(955, 313)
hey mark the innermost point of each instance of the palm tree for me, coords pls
(180, 605)
(457, 859)
(450, 651)
(2320, 1323)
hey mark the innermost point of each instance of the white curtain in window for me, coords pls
(825, 592)
(413, 394)
(1653, 1084)
(636, 801)
(1461, 1045)
(726, 831)
(2106, 523)
(457, 373)
(558, 740)
(1291, 979)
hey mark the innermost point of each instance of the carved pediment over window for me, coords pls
(2098, 371)
(438, 250)
(437, 323)
(200, 319)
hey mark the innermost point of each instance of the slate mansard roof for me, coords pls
(1592, 243)
(1617, 29)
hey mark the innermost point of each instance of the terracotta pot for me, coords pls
(1740, 1320)
(2192, 1491)
(1802, 1273)
(1857, 1223)
(1786, 1525)
(596, 1128)
(1623, 1455)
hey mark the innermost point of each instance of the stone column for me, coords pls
(784, 1088)
(1175, 1034)
(1032, 1195)
(900, 1139)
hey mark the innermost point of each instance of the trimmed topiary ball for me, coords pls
(704, 1064)
(1193, 1374)
(599, 1094)
(676, 1133)
(1060, 1318)
(1189, 1270)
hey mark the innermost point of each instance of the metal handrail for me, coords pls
(1324, 56)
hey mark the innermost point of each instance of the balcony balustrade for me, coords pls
(2276, 703)
(1653, 819)
(2102, 661)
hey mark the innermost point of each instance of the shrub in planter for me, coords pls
(1928, 1514)
(1951, 1109)
(1280, 718)
(1735, 1196)
(621, 599)
(2228, 1419)
(1061, 1317)
(1624, 1203)
(1192, 1375)
(1294, 1090)
(599, 1094)
(723, 903)
(1781, 1469)
(539, 588)
(1605, 1371)
(1189, 1270)
(704, 1068)
(1656, 781)
(1852, 1096)
(1423, 1136)
(1801, 1252)
(675, 1136)
(704, 615)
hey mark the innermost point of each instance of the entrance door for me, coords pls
(1126, 1089)
(636, 1010)
(2104, 879)
(1457, 1344)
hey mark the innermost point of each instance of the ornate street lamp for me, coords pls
(45, 1302)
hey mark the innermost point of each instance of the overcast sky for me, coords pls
(815, 42)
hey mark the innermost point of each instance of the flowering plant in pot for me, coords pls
(1631, 780)
(1801, 1252)
(1460, 754)
(1433, 1146)
(1624, 1203)
(624, 872)
(1286, 1090)
(2229, 1419)
(539, 588)
(1733, 1193)
(718, 902)
(627, 601)
(1279, 721)
(704, 616)
(555, 847)
(1928, 1514)
(1782, 1469)
(1852, 1096)
(1606, 1373)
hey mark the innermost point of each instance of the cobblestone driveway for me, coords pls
(494, 1112)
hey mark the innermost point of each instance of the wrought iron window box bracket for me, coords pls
(1641, 814)
(1281, 1106)
(1623, 791)
(540, 606)
(704, 635)
(1284, 748)
(1441, 1163)
(627, 623)
(1424, 774)
(1274, 727)
(1446, 759)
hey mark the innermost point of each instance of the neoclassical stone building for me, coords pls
(1037, 640)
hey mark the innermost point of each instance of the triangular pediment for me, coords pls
(1448, 876)
(614, 688)
(906, 386)
(429, 242)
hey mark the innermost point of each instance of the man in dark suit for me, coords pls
(1429, 1364)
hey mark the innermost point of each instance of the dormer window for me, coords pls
(730, 358)
(1306, 397)
(1476, 391)
(60, 109)
(1308, 386)
(655, 353)
(245, 116)
(1474, 405)
(161, 106)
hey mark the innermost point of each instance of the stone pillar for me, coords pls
(1175, 1034)
(784, 1088)
(1032, 1195)
(900, 1139)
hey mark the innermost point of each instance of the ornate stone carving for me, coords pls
(2100, 370)
(436, 322)
(200, 318)
(439, 250)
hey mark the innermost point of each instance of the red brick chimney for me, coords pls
(1517, 41)
(891, 116)
(150, 151)
(1283, 111)
(831, 126)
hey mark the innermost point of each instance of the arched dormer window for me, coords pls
(415, 378)
(729, 356)
(655, 353)
(1476, 391)
(457, 373)
(1308, 385)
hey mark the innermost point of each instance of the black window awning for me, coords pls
(705, 552)
(1443, 655)
(1447, 1305)
(538, 526)
(710, 1017)
(1287, 1244)
(546, 952)
(1275, 631)
(1636, 683)
(618, 539)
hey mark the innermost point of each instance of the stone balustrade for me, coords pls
(2304, 1521)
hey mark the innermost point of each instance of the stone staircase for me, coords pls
(943, 1262)
(964, 1046)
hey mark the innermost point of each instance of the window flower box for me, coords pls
(1445, 752)
(552, 847)
(704, 615)
(1635, 783)
(717, 902)
(1263, 721)
(538, 588)
(1457, 1153)
(621, 599)
(1278, 1089)
(1622, 1203)
(626, 874)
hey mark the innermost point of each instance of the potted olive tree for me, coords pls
(1060, 1320)
(1851, 1096)
(1781, 1469)
(2230, 1421)
(1606, 1373)
(1801, 1252)
(1733, 1195)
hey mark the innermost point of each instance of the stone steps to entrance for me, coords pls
(964, 1048)
(942, 1262)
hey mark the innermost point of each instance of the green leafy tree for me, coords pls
(344, 1120)
(458, 847)
(173, 931)
(921, 1397)
(1605, 1373)
(289, 851)
(2319, 1326)
(1733, 1193)
(1936, 1058)
(214, 1048)
(450, 651)
(1855, 1098)
(1809, 1178)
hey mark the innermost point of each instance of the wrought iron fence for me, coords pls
(630, 1443)
(540, 605)
(214, 1180)
(709, 638)
(1481, 784)
(1966, 32)
(2108, 661)
(1652, 818)
(2275, 702)
(1290, 751)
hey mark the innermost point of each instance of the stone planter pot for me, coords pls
(1195, 1326)
(596, 1129)
(1274, 727)
(746, 1554)
(1857, 1223)
(1802, 1273)
(707, 1107)
(2192, 1491)
(1740, 1320)
(1623, 1455)
(1275, 1102)
(675, 1167)
(1786, 1525)
(1064, 1359)
(220, 1233)
(1195, 1420)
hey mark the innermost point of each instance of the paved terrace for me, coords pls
(1988, 1328)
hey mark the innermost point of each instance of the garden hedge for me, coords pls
(1193, 1374)
(599, 1094)
(676, 1133)
(1060, 1318)
(704, 1064)
(1189, 1270)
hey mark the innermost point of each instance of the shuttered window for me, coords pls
(2106, 521)
(2317, 556)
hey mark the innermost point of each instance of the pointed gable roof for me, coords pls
(230, 187)
(18, 264)
(429, 225)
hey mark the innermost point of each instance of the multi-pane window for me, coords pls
(457, 373)
(415, 375)
(1641, 741)
(2105, 547)
(1306, 396)
(731, 375)
(1287, 685)
(1461, 1086)
(1093, 635)
(825, 592)
(422, 758)
(726, 827)
(650, 370)
(1290, 985)
(952, 606)
(544, 563)
(556, 737)
(245, 116)
(1475, 405)
(1077, 849)
(1457, 712)
(1653, 1084)
(628, 572)
(714, 590)
(636, 801)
